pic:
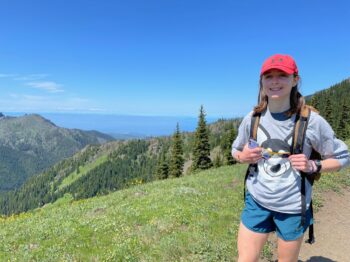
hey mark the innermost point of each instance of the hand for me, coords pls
(301, 163)
(250, 155)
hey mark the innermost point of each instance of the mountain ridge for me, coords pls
(31, 143)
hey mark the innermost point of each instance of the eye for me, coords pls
(283, 75)
(283, 154)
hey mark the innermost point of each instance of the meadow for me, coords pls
(192, 218)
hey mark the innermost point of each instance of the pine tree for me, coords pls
(314, 102)
(201, 150)
(217, 160)
(176, 160)
(328, 111)
(230, 137)
(162, 167)
(343, 129)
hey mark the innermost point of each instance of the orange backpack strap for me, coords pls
(301, 122)
(254, 125)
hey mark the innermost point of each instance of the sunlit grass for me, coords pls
(82, 171)
(193, 218)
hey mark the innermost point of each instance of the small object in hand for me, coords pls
(265, 154)
(252, 144)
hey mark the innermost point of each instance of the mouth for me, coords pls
(276, 89)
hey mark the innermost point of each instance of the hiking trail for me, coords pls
(332, 231)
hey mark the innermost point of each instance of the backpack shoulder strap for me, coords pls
(253, 135)
(301, 122)
(254, 125)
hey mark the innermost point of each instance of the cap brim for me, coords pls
(278, 67)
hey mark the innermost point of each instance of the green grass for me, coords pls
(193, 218)
(82, 171)
(336, 181)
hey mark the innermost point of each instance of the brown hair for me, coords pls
(297, 101)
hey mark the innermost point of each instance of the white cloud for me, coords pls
(48, 86)
(15, 102)
(31, 77)
(7, 75)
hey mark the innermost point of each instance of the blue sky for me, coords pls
(162, 57)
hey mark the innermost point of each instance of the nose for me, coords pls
(276, 168)
(275, 80)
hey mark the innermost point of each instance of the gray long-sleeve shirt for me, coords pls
(276, 185)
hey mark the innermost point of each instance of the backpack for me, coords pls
(299, 131)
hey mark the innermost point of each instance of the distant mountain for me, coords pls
(125, 126)
(30, 143)
(127, 136)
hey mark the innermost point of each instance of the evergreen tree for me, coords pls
(201, 149)
(163, 167)
(314, 102)
(229, 138)
(343, 128)
(217, 160)
(176, 160)
(328, 111)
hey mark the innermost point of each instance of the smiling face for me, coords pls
(277, 84)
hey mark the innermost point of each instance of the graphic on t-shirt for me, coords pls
(275, 166)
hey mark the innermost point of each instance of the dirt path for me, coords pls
(332, 231)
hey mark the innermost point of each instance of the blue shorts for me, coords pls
(261, 220)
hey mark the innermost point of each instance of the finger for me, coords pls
(255, 154)
(300, 167)
(298, 160)
(257, 150)
(297, 156)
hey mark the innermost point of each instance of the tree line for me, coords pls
(334, 105)
(201, 156)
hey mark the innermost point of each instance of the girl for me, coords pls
(273, 198)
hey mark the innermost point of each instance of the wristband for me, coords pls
(318, 165)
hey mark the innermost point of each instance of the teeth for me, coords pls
(276, 89)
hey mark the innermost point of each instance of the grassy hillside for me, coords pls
(193, 218)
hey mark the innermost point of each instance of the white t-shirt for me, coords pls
(276, 185)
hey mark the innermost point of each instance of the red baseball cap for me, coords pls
(284, 63)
